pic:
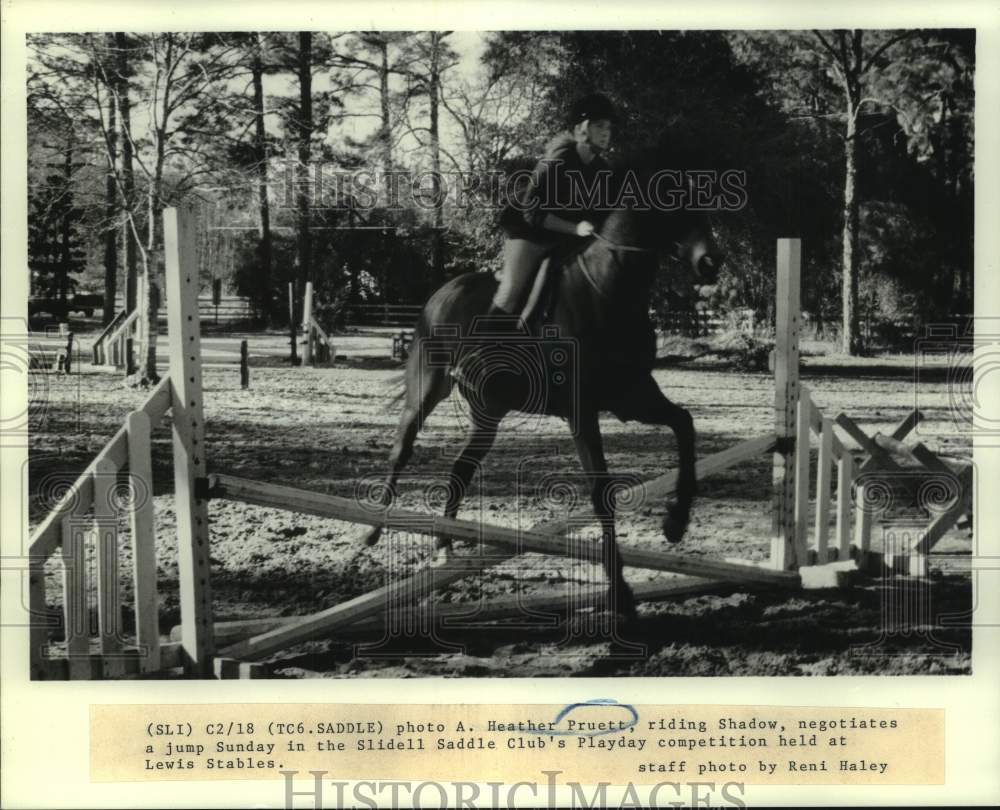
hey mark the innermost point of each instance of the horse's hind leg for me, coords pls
(422, 396)
(590, 448)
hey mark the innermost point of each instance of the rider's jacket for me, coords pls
(561, 184)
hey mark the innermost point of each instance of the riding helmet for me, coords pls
(592, 107)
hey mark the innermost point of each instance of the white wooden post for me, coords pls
(76, 606)
(824, 490)
(862, 527)
(802, 428)
(307, 316)
(786, 398)
(140, 464)
(38, 618)
(845, 476)
(188, 438)
(108, 586)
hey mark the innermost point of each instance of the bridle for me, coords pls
(614, 248)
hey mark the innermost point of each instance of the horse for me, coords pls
(599, 312)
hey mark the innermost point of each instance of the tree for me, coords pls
(234, 138)
(296, 53)
(179, 73)
(434, 56)
(175, 75)
(261, 156)
(851, 63)
(862, 82)
(112, 204)
(55, 241)
(123, 72)
(61, 109)
(380, 56)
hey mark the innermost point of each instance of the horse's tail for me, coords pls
(396, 383)
(454, 304)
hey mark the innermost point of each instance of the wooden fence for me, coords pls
(381, 314)
(231, 308)
(705, 322)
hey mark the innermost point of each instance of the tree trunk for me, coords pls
(303, 205)
(302, 202)
(385, 132)
(65, 246)
(434, 93)
(149, 302)
(152, 271)
(111, 214)
(266, 301)
(850, 332)
(851, 69)
(128, 180)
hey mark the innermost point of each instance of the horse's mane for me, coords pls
(642, 163)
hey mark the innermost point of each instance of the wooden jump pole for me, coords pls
(362, 613)
(316, 503)
(179, 232)
(510, 540)
(458, 615)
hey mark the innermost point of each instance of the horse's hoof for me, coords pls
(674, 525)
(371, 537)
(622, 602)
(629, 611)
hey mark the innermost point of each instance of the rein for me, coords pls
(615, 246)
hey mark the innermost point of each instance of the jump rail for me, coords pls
(99, 349)
(112, 346)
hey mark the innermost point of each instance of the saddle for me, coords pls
(542, 299)
(631, 340)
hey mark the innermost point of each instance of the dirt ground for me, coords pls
(330, 430)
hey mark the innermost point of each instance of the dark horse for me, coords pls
(599, 312)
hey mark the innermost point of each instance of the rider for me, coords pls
(562, 200)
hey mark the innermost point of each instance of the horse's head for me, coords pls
(687, 238)
(651, 211)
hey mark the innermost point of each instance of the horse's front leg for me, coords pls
(590, 448)
(479, 441)
(646, 403)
